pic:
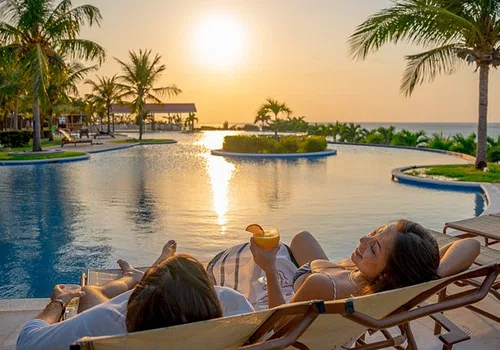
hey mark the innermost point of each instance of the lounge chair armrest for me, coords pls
(451, 302)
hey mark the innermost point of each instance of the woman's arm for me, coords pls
(266, 260)
(458, 256)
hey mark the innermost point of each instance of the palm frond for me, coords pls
(427, 65)
(420, 22)
(82, 49)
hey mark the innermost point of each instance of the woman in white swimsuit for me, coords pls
(393, 256)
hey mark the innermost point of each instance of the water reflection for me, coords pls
(220, 173)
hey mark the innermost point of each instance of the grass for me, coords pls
(142, 141)
(4, 155)
(466, 172)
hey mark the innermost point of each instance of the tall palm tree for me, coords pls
(262, 117)
(139, 78)
(109, 90)
(40, 33)
(275, 107)
(13, 87)
(453, 31)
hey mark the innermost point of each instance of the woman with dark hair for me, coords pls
(396, 255)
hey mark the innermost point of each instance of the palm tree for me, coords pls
(13, 87)
(40, 34)
(109, 91)
(262, 117)
(438, 141)
(387, 133)
(190, 120)
(456, 31)
(139, 78)
(408, 138)
(353, 133)
(463, 144)
(277, 108)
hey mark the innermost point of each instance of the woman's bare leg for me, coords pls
(95, 295)
(306, 248)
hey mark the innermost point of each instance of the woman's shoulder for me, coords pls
(323, 264)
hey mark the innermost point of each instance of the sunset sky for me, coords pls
(229, 56)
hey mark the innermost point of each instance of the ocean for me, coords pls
(446, 128)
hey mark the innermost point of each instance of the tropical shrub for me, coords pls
(463, 144)
(494, 154)
(409, 138)
(374, 138)
(313, 144)
(266, 145)
(15, 138)
(438, 141)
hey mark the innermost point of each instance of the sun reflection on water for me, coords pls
(220, 173)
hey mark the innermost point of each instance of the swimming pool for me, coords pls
(57, 220)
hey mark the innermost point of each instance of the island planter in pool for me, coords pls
(219, 152)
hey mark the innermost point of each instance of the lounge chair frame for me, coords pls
(67, 138)
(487, 256)
(285, 326)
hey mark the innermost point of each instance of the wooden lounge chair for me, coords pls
(98, 133)
(487, 256)
(310, 325)
(67, 138)
(486, 226)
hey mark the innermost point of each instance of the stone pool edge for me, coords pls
(491, 191)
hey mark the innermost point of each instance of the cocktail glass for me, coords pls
(266, 238)
(72, 306)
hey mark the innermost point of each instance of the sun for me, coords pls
(219, 42)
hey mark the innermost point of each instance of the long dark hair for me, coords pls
(176, 291)
(414, 259)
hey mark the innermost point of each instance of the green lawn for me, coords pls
(143, 141)
(466, 172)
(5, 156)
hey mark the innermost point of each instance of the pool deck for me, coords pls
(484, 333)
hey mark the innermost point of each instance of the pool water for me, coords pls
(58, 220)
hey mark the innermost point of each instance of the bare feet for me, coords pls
(128, 271)
(168, 251)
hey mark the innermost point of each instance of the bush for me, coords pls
(313, 144)
(266, 145)
(494, 154)
(15, 138)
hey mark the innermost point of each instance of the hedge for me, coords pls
(266, 145)
(15, 139)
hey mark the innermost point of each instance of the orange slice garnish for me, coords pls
(255, 229)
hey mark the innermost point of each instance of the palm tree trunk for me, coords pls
(140, 125)
(37, 137)
(276, 127)
(109, 122)
(15, 126)
(482, 125)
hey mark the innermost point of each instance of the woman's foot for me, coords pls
(168, 251)
(129, 271)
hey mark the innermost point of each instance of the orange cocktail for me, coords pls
(267, 239)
